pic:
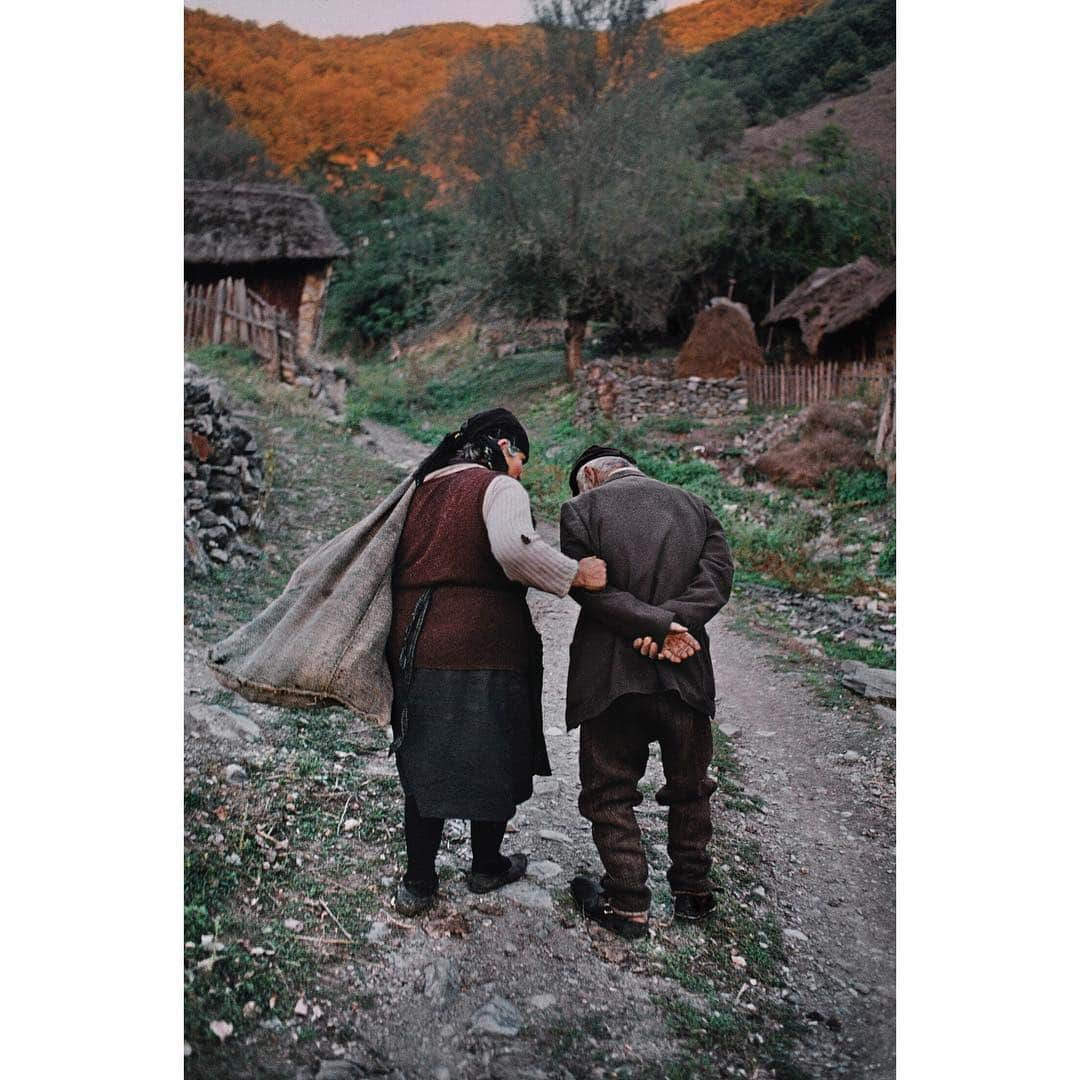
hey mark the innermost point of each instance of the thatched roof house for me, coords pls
(839, 313)
(275, 237)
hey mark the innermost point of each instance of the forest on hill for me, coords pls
(301, 95)
(496, 198)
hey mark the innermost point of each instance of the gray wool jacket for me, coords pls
(667, 560)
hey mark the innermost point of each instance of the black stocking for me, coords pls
(487, 836)
(422, 836)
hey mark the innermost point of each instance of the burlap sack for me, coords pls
(322, 641)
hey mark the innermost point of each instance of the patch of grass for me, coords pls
(715, 1029)
(827, 690)
(728, 775)
(426, 399)
(676, 424)
(848, 650)
(572, 1045)
(224, 357)
(223, 869)
(253, 857)
(867, 487)
(886, 564)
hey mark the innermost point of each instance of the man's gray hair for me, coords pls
(602, 465)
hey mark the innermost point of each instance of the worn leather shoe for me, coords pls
(482, 883)
(411, 901)
(694, 906)
(596, 906)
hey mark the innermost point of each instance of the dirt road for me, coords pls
(516, 985)
(826, 829)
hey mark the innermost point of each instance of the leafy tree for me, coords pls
(780, 69)
(399, 246)
(782, 225)
(215, 146)
(578, 158)
(831, 147)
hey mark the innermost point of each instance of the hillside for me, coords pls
(299, 94)
(868, 116)
(696, 25)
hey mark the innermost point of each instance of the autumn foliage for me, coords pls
(352, 95)
(696, 25)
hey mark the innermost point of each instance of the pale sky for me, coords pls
(324, 18)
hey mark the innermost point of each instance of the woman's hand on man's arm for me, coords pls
(591, 574)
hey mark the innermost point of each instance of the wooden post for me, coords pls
(243, 327)
(218, 305)
(772, 304)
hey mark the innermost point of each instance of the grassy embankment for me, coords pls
(430, 394)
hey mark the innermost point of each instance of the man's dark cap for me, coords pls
(592, 454)
(499, 423)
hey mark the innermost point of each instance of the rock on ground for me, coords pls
(877, 684)
(498, 1017)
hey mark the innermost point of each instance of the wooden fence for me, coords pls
(807, 384)
(228, 312)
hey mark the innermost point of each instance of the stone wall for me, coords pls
(223, 477)
(627, 390)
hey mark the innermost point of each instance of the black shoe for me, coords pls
(596, 906)
(410, 900)
(482, 883)
(694, 906)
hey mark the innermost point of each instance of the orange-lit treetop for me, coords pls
(352, 95)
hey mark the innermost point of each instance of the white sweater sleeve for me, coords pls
(516, 545)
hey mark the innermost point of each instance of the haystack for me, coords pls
(722, 343)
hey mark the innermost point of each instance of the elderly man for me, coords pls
(640, 672)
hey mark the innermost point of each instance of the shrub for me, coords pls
(852, 421)
(862, 486)
(831, 439)
(810, 462)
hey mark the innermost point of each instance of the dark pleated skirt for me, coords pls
(468, 748)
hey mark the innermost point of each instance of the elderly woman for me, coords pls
(465, 657)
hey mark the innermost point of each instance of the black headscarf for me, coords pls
(494, 423)
(592, 454)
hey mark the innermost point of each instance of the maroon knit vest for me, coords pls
(478, 617)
